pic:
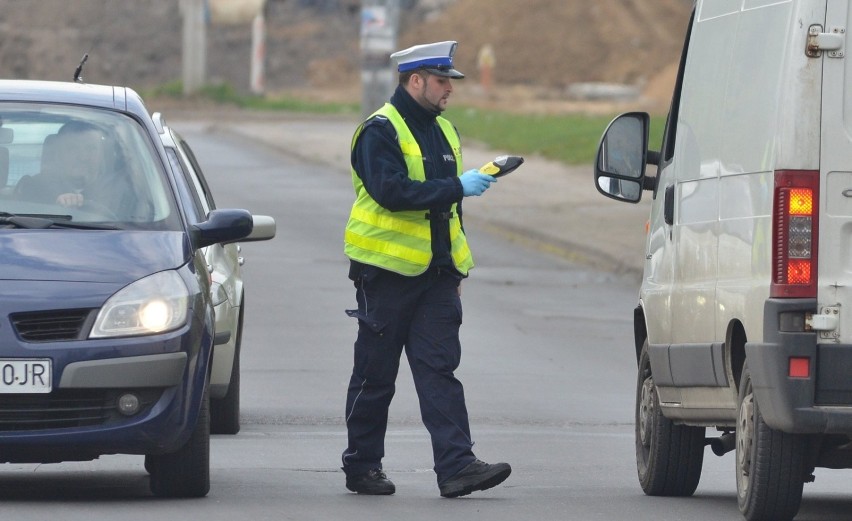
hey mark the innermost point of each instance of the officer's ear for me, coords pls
(418, 79)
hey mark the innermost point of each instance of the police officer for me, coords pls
(408, 254)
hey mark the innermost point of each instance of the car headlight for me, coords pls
(151, 305)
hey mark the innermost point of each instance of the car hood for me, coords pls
(89, 256)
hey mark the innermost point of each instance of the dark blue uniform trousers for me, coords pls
(422, 314)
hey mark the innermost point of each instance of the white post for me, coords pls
(258, 54)
(379, 21)
(194, 45)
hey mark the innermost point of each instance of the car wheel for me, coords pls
(225, 411)
(668, 456)
(186, 472)
(770, 463)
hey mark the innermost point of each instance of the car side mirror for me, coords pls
(622, 157)
(263, 229)
(221, 226)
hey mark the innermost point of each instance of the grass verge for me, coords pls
(569, 138)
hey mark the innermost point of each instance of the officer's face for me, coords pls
(432, 92)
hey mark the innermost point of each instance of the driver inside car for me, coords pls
(79, 170)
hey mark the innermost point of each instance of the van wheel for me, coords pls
(668, 456)
(186, 472)
(770, 463)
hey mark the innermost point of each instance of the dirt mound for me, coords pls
(557, 42)
(542, 47)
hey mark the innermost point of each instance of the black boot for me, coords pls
(374, 483)
(476, 476)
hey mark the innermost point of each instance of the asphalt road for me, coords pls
(547, 367)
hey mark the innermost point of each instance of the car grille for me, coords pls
(51, 326)
(64, 408)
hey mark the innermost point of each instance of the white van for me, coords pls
(744, 322)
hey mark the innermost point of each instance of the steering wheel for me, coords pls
(100, 208)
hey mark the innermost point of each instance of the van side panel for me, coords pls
(741, 117)
(695, 168)
(749, 106)
(797, 125)
(768, 62)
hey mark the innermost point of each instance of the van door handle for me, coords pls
(668, 205)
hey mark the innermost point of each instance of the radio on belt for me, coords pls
(502, 165)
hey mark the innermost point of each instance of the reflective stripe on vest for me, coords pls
(402, 241)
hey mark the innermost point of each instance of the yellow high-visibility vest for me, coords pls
(402, 241)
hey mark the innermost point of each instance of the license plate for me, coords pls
(25, 376)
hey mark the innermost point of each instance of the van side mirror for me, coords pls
(622, 156)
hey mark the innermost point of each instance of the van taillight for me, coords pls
(795, 232)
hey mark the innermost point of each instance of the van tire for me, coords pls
(770, 464)
(669, 457)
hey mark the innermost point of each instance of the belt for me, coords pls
(441, 216)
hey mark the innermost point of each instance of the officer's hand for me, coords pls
(475, 182)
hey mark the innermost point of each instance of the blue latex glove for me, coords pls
(475, 182)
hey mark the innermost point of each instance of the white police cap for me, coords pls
(435, 58)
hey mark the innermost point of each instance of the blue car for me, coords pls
(107, 322)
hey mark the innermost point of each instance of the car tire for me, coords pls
(225, 411)
(150, 463)
(186, 472)
(770, 464)
(669, 457)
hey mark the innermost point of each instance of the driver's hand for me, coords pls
(70, 199)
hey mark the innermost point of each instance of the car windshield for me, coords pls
(84, 165)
